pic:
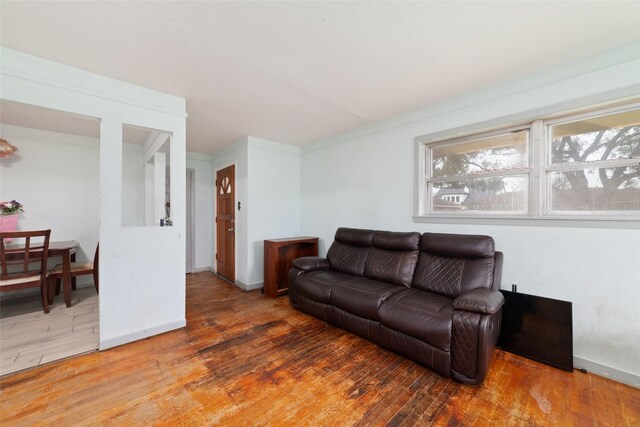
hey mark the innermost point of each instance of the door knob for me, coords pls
(230, 229)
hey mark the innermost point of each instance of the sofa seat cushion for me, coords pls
(362, 296)
(316, 285)
(423, 315)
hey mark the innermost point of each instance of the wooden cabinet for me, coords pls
(278, 257)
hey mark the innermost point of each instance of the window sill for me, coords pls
(547, 221)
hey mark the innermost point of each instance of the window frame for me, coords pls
(427, 202)
(539, 188)
(548, 167)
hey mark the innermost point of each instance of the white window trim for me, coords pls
(539, 212)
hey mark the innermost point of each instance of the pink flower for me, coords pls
(10, 208)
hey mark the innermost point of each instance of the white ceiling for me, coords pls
(297, 72)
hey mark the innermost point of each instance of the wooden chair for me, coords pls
(29, 261)
(77, 269)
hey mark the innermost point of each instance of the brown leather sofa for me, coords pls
(433, 298)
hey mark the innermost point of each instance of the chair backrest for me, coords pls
(34, 250)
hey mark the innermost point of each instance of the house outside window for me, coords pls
(576, 166)
(450, 197)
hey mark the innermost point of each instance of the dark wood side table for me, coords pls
(278, 257)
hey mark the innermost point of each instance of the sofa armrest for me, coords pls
(497, 271)
(480, 300)
(310, 263)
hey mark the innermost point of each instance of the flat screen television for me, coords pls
(538, 328)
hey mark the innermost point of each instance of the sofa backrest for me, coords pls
(350, 249)
(393, 257)
(452, 264)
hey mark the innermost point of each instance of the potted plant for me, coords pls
(9, 215)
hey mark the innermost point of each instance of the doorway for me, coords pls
(55, 175)
(225, 223)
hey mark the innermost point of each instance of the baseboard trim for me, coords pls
(606, 371)
(246, 287)
(145, 333)
(202, 269)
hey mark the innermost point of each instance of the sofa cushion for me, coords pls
(458, 245)
(349, 251)
(396, 241)
(452, 264)
(354, 236)
(423, 315)
(317, 285)
(393, 257)
(362, 296)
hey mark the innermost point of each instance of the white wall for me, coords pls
(142, 269)
(268, 188)
(274, 199)
(133, 186)
(203, 197)
(365, 178)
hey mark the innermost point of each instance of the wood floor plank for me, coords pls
(629, 404)
(39, 338)
(410, 411)
(245, 359)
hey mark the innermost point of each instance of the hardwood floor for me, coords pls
(245, 359)
(29, 337)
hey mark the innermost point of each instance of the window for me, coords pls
(567, 167)
(593, 164)
(488, 173)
